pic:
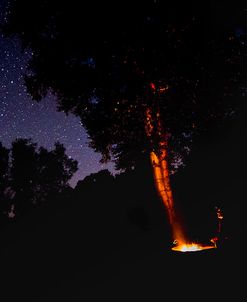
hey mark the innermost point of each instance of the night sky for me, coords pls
(20, 116)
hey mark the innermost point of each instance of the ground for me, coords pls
(47, 264)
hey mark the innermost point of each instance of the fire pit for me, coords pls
(192, 247)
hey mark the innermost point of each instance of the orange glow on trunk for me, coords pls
(162, 182)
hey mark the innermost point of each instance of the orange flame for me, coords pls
(191, 247)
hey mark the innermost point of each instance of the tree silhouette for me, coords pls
(102, 177)
(185, 64)
(145, 80)
(55, 169)
(4, 179)
(23, 172)
(4, 168)
(32, 175)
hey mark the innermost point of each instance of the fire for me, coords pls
(192, 247)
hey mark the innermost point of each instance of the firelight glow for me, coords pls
(162, 182)
(191, 247)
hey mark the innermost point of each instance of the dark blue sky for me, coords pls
(20, 116)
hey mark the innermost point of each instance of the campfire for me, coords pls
(192, 247)
(195, 247)
(156, 132)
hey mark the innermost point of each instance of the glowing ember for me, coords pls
(192, 247)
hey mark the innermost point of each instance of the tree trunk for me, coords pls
(163, 187)
(161, 174)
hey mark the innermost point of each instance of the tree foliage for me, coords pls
(107, 62)
(31, 175)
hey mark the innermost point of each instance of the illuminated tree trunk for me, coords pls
(161, 173)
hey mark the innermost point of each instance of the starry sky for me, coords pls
(20, 116)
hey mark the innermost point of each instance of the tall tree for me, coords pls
(55, 169)
(144, 79)
(38, 174)
(4, 178)
(23, 169)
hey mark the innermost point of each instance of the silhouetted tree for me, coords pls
(182, 61)
(4, 179)
(4, 168)
(55, 169)
(144, 79)
(100, 178)
(24, 162)
(38, 174)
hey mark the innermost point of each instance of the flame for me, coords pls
(192, 247)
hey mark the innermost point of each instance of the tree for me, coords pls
(102, 177)
(4, 168)
(4, 178)
(38, 174)
(55, 169)
(145, 80)
(23, 172)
